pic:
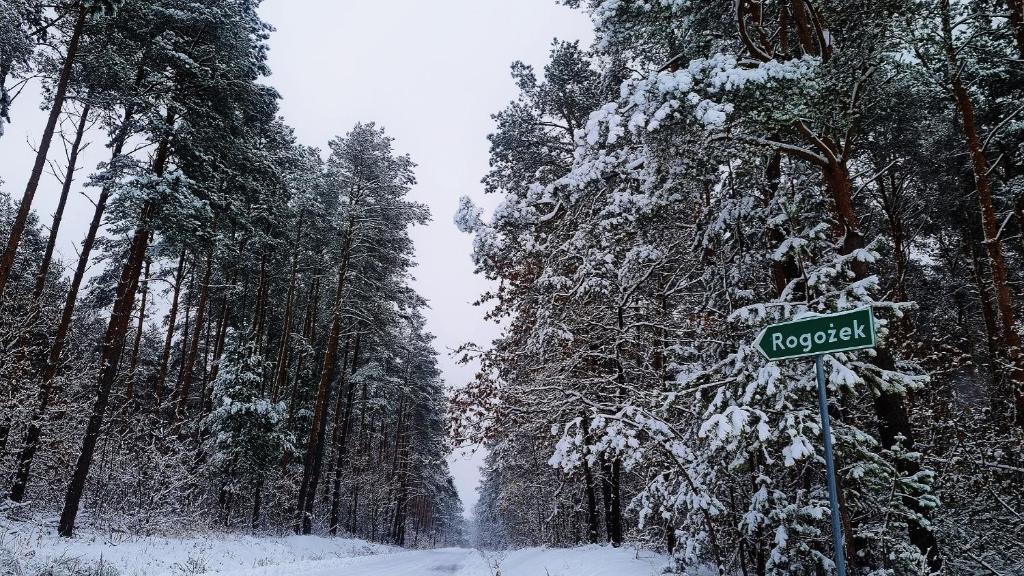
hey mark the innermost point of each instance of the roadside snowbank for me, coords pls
(36, 546)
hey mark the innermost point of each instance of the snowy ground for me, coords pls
(583, 561)
(37, 549)
(587, 561)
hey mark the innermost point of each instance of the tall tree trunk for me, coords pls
(396, 462)
(206, 390)
(5, 100)
(787, 269)
(186, 328)
(988, 312)
(188, 368)
(588, 486)
(612, 469)
(894, 421)
(281, 375)
(341, 440)
(670, 537)
(803, 28)
(172, 318)
(52, 366)
(139, 329)
(606, 497)
(313, 458)
(58, 214)
(308, 326)
(222, 332)
(262, 288)
(357, 471)
(353, 511)
(891, 207)
(257, 504)
(335, 464)
(113, 344)
(616, 506)
(59, 96)
(989, 220)
(402, 495)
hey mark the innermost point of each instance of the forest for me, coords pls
(237, 345)
(706, 169)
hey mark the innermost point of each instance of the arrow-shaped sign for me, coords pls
(850, 330)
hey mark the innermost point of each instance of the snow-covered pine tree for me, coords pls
(247, 432)
(209, 205)
(759, 161)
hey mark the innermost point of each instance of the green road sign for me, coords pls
(850, 330)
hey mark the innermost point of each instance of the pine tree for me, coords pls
(755, 163)
(247, 431)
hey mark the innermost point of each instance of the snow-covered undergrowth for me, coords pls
(30, 549)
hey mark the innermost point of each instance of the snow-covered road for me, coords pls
(583, 561)
(442, 562)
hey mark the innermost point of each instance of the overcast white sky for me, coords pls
(431, 72)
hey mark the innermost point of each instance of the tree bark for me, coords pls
(59, 96)
(5, 71)
(260, 309)
(281, 376)
(186, 328)
(341, 440)
(188, 368)
(113, 344)
(616, 490)
(308, 326)
(396, 465)
(803, 28)
(313, 458)
(357, 471)
(222, 332)
(206, 388)
(588, 486)
(402, 496)
(891, 206)
(606, 498)
(257, 504)
(172, 318)
(611, 472)
(139, 329)
(988, 311)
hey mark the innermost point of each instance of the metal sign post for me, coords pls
(833, 493)
(816, 336)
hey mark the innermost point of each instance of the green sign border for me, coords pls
(871, 327)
